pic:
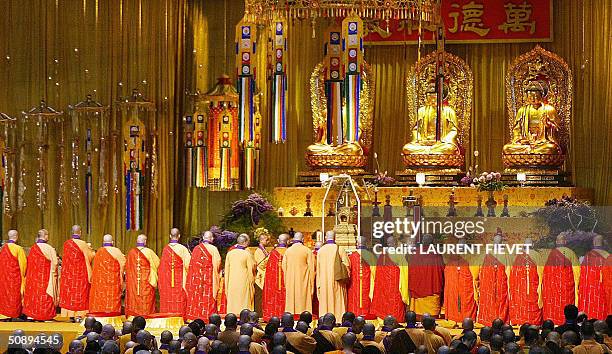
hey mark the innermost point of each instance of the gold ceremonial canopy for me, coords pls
(541, 143)
(266, 10)
(458, 87)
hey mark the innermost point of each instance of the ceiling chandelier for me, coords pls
(416, 10)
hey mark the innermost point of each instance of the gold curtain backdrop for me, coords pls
(185, 45)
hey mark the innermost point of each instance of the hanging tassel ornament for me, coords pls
(278, 80)
(196, 145)
(7, 168)
(352, 48)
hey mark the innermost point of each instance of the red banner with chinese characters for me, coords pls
(474, 21)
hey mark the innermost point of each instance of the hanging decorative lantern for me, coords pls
(135, 113)
(8, 176)
(44, 116)
(90, 124)
(352, 50)
(278, 80)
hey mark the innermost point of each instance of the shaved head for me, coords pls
(298, 236)
(107, 238)
(242, 239)
(330, 235)
(76, 230)
(43, 234)
(175, 234)
(208, 236)
(318, 245)
(142, 238)
(282, 239)
(13, 235)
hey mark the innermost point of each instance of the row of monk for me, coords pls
(293, 278)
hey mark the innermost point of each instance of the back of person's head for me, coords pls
(329, 320)
(570, 338)
(165, 337)
(443, 350)
(369, 330)
(246, 329)
(570, 312)
(244, 342)
(469, 339)
(429, 323)
(348, 340)
(231, 321)
(184, 330)
(497, 325)
(508, 336)
(279, 338)
(253, 317)
(138, 323)
(302, 326)
(581, 317)
(587, 330)
(195, 328)
(287, 319)
(497, 342)
(348, 317)
(279, 349)
(244, 315)
(110, 347)
(306, 317)
(410, 317)
(174, 346)
(215, 319)
(511, 348)
(97, 327)
(270, 329)
(524, 327)
(275, 320)
(127, 327)
(485, 333)
(531, 335)
(358, 324)
(484, 350)
(389, 321)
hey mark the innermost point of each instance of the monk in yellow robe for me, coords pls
(107, 279)
(173, 268)
(141, 279)
(560, 281)
(331, 293)
(12, 276)
(240, 271)
(298, 268)
(75, 281)
(41, 290)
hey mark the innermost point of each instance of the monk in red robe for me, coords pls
(41, 292)
(12, 276)
(525, 291)
(592, 291)
(425, 279)
(360, 288)
(141, 279)
(75, 281)
(203, 279)
(560, 281)
(390, 285)
(273, 298)
(107, 279)
(493, 287)
(607, 280)
(460, 288)
(173, 276)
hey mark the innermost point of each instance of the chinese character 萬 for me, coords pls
(517, 18)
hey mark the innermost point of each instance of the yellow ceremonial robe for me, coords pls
(330, 293)
(299, 270)
(240, 270)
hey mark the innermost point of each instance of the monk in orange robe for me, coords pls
(315, 298)
(460, 288)
(172, 273)
(526, 288)
(493, 287)
(390, 285)
(75, 281)
(203, 279)
(360, 288)
(107, 279)
(141, 279)
(12, 276)
(41, 292)
(560, 281)
(425, 280)
(273, 298)
(591, 291)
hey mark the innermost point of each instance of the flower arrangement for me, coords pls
(250, 214)
(487, 181)
(382, 180)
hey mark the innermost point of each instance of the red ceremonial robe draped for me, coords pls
(315, 299)
(591, 290)
(558, 287)
(425, 275)
(10, 278)
(139, 293)
(358, 290)
(37, 304)
(608, 284)
(459, 301)
(493, 300)
(74, 282)
(524, 297)
(106, 279)
(201, 301)
(170, 283)
(273, 295)
(387, 298)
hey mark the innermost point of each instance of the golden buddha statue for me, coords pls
(539, 83)
(438, 143)
(535, 126)
(424, 130)
(341, 90)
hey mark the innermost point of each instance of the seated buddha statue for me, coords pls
(322, 147)
(424, 130)
(535, 127)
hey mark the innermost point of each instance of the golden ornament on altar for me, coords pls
(438, 143)
(539, 101)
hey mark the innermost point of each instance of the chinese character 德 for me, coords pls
(472, 19)
(517, 18)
